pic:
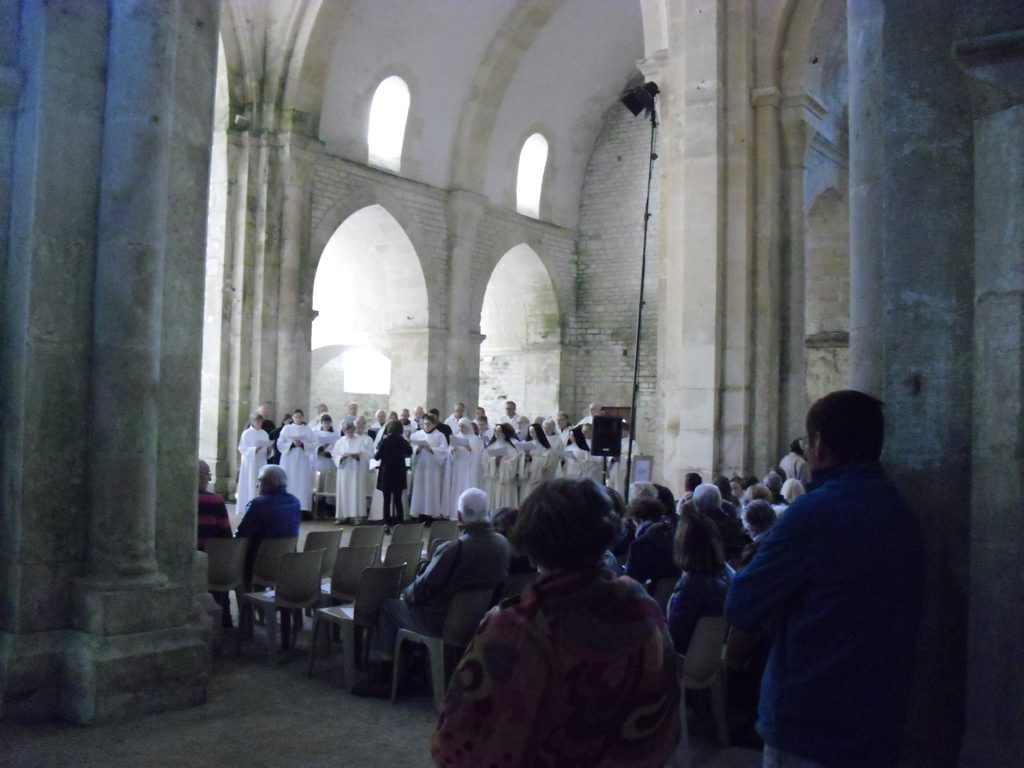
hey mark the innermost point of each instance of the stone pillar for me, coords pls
(134, 650)
(466, 212)
(867, 177)
(800, 115)
(912, 225)
(995, 655)
(692, 210)
(417, 367)
(47, 320)
(767, 287)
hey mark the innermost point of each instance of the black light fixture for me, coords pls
(637, 99)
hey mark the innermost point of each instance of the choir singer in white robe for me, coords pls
(297, 445)
(533, 460)
(430, 455)
(466, 465)
(501, 462)
(253, 448)
(352, 454)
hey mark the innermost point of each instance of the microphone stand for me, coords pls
(640, 306)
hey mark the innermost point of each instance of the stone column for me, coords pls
(47, 318)
(417, 367)
(692, 210)
(867, 177)
(800, 115)
(912, 225)
(466, 212)
(134, 650)
(994, 733)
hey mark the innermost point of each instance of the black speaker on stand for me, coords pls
(606, 441)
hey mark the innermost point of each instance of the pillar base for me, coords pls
(120, 677)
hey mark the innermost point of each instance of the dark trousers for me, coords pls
(399, 510)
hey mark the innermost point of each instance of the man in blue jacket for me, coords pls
(274, 514)
(840, 579)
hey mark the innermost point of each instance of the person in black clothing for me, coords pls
(729, 502)
(272, 432)
(392, 451)
(708, 501)
(441, 427)
(650, 555)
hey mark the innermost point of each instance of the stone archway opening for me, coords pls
(521, 354)
(827, 295)
(369, 338)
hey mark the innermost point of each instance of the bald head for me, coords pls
(595, 408)
(204, 476)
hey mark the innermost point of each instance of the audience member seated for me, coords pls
(701, 589)
(708, 501)
(792, 489)
(758, 517)
(757, 491)
(503, 520)
(668, 500)
(478, 559)
(690, 483)
(274, 514)
(650, 555)
(773, 482)
(627, 527)
(213, 523)
(730, 503)
(213, 520)
(579, 669)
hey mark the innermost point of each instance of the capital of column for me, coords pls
(653, 66)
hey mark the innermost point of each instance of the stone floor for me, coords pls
(260, 716)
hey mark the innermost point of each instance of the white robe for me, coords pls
(325, 439)
(500, 476)
(617, 471)
(295, 461)
(426, 495)
(531, 472)
(351, 486)
(553, 460)
(465, 471)
(453, 422)
(253, 447)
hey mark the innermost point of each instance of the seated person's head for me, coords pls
(639, 491)
(646, 510)
(724, 487)
(271, 478)
(773, 482)
(692, 481)
(698, 546)
(505, 519)
(791, 489)
(565, 524)
(707, 498)
(667, 499)
(473, 506)
(758, 517)
(618, 503)
(758, 491)
(749, 480)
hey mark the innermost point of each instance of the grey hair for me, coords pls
(473, 506)
(256, 415)
(274, 476)
(773, 482)
(550, 422)
(707, 498)
(639, 491)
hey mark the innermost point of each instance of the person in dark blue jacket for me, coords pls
(701, 589)
(841, 576)
(274, 514)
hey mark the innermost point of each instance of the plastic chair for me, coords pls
(464, 616)
(407, 533)
(349, 565)
(298, 587)
(703, 667)
(368, 536)
(515, 584)
(226, 570)
(408, 556)
(329, 542)
(662, 593)
(268, 560)
(324, 485)
(375, 586)
(441, 530)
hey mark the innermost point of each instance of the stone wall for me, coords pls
(603, 332)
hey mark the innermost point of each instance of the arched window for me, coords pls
(532, 160)
(388, 113)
